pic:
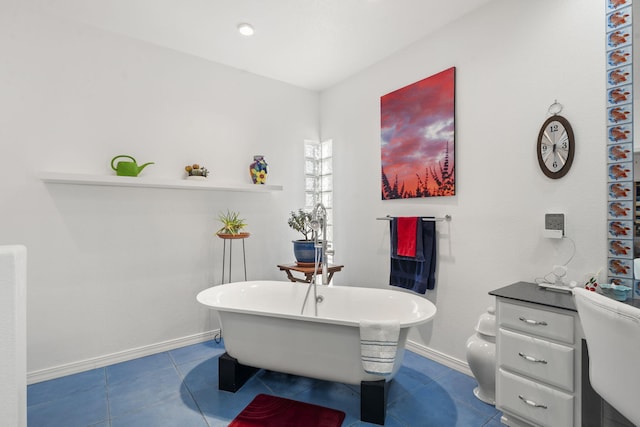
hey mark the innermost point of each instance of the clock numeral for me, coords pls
(544, 149)
(564, 145)
(555, 164)
(553, 128)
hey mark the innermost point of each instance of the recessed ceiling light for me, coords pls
(246, 29)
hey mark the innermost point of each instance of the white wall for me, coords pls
(114, 269)
(513, 58)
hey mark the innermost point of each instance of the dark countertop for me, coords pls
(532, 293)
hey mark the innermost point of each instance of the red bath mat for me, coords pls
(272, 411)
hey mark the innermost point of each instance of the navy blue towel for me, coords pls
(419, 273)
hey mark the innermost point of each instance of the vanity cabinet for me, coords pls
(538, 357)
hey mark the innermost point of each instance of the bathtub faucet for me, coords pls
(318, 221)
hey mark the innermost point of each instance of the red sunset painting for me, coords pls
(418, 130)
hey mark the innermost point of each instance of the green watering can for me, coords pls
(127, 168)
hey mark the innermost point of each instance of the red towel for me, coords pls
(406, 245)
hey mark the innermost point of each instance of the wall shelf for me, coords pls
(127, 181)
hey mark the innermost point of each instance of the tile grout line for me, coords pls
(106, 388)
(471, 408)
(186, 386)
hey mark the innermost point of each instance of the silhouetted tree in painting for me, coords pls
(446, 185)
(422, 189)
(444, 179)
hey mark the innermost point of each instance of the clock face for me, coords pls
(556, 145)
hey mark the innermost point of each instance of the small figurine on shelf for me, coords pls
(196, 172)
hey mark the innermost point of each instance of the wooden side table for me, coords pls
(307, 270)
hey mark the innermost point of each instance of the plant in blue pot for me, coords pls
(303, 249)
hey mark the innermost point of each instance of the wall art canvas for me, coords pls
(418, 139)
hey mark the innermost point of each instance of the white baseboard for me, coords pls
(121, 356)
(439, 357)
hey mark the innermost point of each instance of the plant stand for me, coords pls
(231, 238)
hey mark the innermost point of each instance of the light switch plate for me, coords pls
(554, 225)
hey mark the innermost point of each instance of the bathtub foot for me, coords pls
(373, 401)
(231, 374)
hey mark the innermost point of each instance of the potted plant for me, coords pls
(232, 226)
(303, 249)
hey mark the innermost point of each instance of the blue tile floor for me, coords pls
(180, 388)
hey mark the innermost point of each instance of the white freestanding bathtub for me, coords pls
(263, 326)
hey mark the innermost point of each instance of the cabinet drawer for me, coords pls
(532, 401)
(535, 321)
(537, 358)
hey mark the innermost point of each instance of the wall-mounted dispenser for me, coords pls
(553, 225)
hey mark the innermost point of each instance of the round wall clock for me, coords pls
(556, 145)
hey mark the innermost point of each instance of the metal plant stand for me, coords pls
(231, 238)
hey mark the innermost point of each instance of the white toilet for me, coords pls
(481, 356)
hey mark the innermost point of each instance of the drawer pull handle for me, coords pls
(532, 403)
(531, 358)
(533, 322)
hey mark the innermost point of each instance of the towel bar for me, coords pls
(445, 218)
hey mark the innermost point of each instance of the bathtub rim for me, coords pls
(209, 293)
